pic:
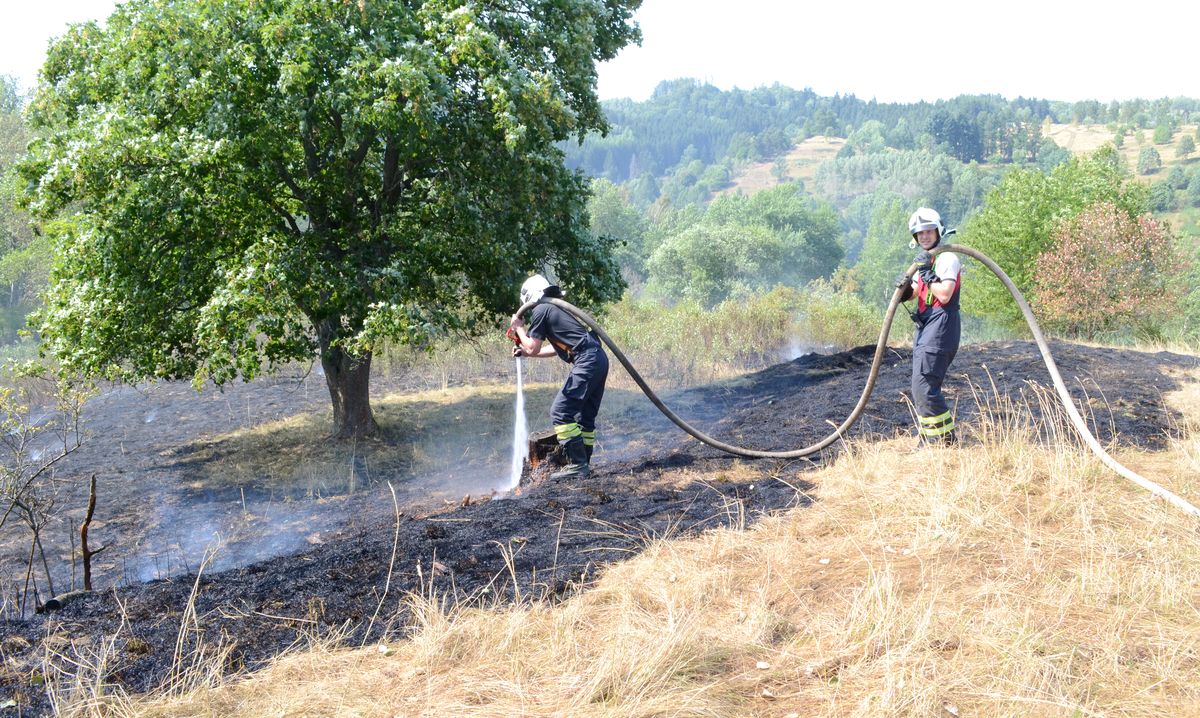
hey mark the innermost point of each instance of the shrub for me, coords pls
(684, 344)
(1107, 271)
(1148, 161)
(834, 318)
(1186, 146)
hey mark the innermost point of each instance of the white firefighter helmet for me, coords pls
(923, 219)
(533, 289)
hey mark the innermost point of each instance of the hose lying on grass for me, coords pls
(1076, 419)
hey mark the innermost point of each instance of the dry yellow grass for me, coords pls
(803, 161)
(1004, 579)
(1080, 139)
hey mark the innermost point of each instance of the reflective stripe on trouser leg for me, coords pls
(929, 371)
(589, 437)
(579, 399)
(936, 425)
(566, 432)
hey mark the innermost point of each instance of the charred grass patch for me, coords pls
(421, 432)
(297, 456)
(1010, 577)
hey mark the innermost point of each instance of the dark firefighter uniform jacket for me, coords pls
(939, 328)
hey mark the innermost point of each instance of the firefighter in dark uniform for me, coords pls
(554, 331)
(936, 286)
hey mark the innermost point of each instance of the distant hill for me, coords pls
(802, 162)
(688, 125)
(803, 159)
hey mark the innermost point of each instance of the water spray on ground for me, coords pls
(520, 450)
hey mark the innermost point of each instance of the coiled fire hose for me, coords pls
(1076, 419)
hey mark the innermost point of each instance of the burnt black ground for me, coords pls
(555, 535)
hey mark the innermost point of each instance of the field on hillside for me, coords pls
(1080, 139)
(802, 161)
(804, 158)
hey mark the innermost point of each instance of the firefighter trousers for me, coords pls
(574, 409)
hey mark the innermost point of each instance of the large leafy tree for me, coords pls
(256, 181)
(1020, 215)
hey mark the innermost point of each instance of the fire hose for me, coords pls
(1077, 420)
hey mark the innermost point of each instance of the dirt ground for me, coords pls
(319, 558)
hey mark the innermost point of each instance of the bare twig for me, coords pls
(391, 565)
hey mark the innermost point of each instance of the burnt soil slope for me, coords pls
(549, 538)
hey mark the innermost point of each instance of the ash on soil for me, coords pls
(550, 538)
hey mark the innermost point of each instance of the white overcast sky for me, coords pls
(890, 51)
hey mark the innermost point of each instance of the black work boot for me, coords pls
(577, 461)
(588, 448)
(927, 442)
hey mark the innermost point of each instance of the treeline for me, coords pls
(1079, 238)
(688, 123)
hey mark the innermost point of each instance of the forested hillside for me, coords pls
(687, 121)
(669, 182)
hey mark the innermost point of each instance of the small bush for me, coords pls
(684, 344)
(1107, 270)
(838, 319)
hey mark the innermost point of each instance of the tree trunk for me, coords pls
(349, 381)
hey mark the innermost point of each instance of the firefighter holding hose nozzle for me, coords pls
(553, 331)
(935, 285)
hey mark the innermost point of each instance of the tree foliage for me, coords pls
(1193, 188)
(920, 177)
(1106, 270)
(1149, 161)
(1162, 196)
(614, 217)
(259, 180)
(1020, 215)
(744, 244)
(1051, 155)
(24, 258)
(913, 175)
(1186, 147)
(885, 253)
